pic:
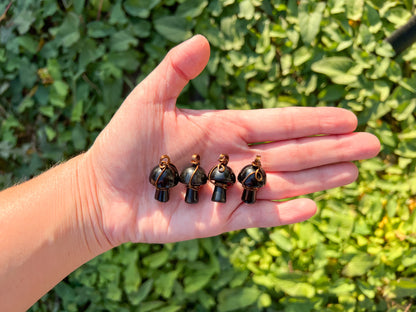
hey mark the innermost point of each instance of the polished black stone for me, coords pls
(249, 196)
(221, 180)
(219, 195)
(168, 179)
(198, 177)
(226, 177)
(191, 196)
(247, 177)
(162, 195)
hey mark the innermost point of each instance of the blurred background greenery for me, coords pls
(65, 67)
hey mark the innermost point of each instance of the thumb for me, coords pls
(183, 63)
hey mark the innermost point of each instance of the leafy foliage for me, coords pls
(65, 67)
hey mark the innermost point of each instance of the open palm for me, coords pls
(148, 125)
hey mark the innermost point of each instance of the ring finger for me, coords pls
(295, 183)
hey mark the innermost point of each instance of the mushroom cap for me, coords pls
(249, 174)
(168, 178)
(226, 177)
(199, 178)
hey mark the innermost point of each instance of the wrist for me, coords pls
(51, 229)
(88, 209)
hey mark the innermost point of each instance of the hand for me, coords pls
(121, 200)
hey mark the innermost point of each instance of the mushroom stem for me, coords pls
(162, 195)
(249, 196)
(219, 194)
(191, 196)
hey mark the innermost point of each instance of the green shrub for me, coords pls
(65, 67)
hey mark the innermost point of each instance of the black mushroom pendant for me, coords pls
(252, 177)
(222, 177)
(194, 177)
(164, 176)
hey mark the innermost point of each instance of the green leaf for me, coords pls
(173, 28)
(354, 9)
(232, 33)
(341, 286)
(246, 10)
(126, 60)
(50, 133)
(54, 69)
(28, 43)
(191, 8)
(367, 289)
(113, 292)
(383, 89)
(201, 83)
(198, 280)
(26, 104)
(27, 73)
(373, 18)
(187, 250)
(141, 29)
(265, 300)
(170, 308)
(336, 67)
(302, 55)
(409, 258)
(281, 241)
(109, 272)
(56, 99)
(406, 149)
(79, 137)
(68, 33)
(132, 278)
(359, 265)
(122, 41)
(58, 93)
(332, 93)
(310, 16)
(164, 283)
(374, 164)
(263, 44)
(296, 289)
(99, 29)
(89, 53)
(333, 66)
(117, 15)
(157, 259)
(65, 292)
(237, 298)
(23, 20)
(255, 234)
(78, 6)
(384, 49)
(140, 8)
(136, 297)
(405, 110)
(239, 278)
(50, 7)
(206, 300)
(48, 111)
(150, 306)
(398, 16)
(402, 288)
(112, 91)
(308, 235)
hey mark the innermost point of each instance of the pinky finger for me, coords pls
(269, 214)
